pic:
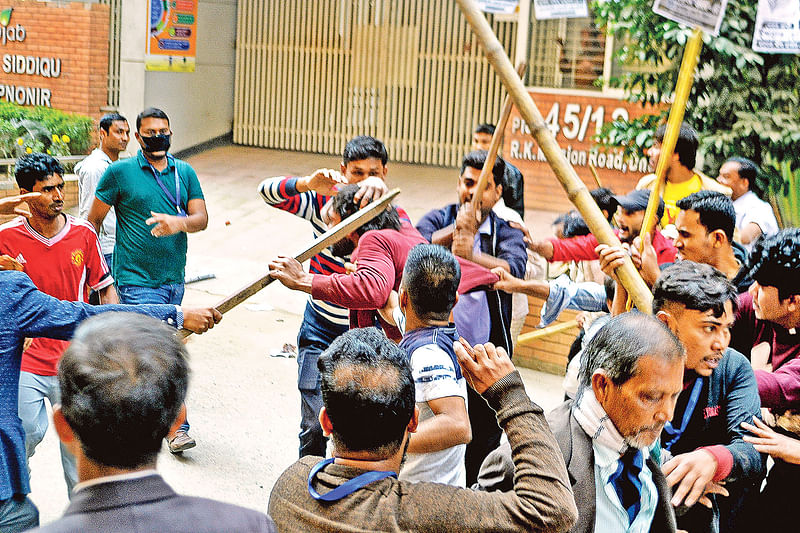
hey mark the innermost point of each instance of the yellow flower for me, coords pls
(65, 138)
(48, 151)
(55, 138)
(28, 150)
(20, 141)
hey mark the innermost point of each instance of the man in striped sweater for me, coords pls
(363, 162)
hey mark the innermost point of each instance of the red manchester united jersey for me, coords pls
(61, 266)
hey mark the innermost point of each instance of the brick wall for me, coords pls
(547, 354)
(77, 34)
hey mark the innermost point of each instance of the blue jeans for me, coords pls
(316, 334)
(171, 293)
(18, 514)
(33, 389)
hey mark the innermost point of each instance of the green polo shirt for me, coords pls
(130, 187)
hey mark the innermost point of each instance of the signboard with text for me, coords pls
(703, 14)
(65, 69)
(574, 119)
(777, 27)
(171, 35)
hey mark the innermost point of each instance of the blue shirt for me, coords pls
(471, 312)
(611, 516)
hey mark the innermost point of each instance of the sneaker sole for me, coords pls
(182, 447)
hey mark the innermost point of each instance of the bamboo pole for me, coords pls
(528, 338)
(576, 190)
(333, 235)
(594, 174)
(491, 157)
(682, 89)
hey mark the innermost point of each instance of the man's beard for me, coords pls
(343, 248)
(638, 439)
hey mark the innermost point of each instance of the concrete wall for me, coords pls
(200, 103)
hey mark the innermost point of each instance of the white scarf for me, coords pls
(595, 422)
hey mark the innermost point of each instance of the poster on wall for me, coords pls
(777, 27)
(703, 14)
(171, 35)
(558, 9)
(499, 7)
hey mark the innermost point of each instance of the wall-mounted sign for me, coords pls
(171, 35)
(557, 9)
(777, 27)
(12, 33)
(703, 14)
(574, 120)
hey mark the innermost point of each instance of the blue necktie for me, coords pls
(626, 482)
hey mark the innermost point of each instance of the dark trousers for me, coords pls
(486, 434)
(316, 334)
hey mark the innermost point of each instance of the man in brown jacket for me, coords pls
(369, 411)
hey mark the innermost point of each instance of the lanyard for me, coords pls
(687, 414)
(173, 199)
(347, 488)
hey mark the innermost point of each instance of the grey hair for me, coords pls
(618, 346)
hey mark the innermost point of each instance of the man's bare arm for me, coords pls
(98, 213)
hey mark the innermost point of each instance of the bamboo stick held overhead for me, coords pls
(497, 136)
(576, 190)
(333, 235)
(682, 89)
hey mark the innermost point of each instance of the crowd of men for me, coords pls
(413, 416)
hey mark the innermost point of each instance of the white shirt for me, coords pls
(750, 208)
(435, 377)
(89, 172)
(611, 516)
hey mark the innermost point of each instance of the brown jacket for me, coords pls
(541, 500)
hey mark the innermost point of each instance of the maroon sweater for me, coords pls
(779, 389)
(380, 259)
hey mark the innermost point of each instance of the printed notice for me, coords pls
(703, 14)
(171, 35)
(498, 7)
(777, 27)
(560, 9)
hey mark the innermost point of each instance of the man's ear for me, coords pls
(793, 303)
(601, 386)
(402, 298)
(65, 433)
(384, 172)
(718, 238)
(414, 422)
(325, 422)
(667, 318)
(342, 167)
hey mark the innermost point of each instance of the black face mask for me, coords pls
(156, 143)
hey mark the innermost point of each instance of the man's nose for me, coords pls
(58, 194)
(665, 411)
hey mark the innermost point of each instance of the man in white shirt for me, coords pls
(754, 216)
(427, 296)
(114, 134)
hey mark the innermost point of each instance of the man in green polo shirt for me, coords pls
(158, 201)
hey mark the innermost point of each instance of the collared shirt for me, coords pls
(110, 479)
(140, 259)
(750, 208)
(611, 516)
(89, 172)
(471, 312)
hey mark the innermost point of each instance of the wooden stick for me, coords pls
(594, 173)
(500, 127)
(528, 338)
(576, 190)
(333, 235)
(682, 89)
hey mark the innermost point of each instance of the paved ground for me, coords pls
(243, 404)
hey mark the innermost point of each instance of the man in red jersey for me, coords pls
(62, 256)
